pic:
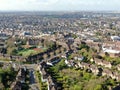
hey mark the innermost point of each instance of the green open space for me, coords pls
(27, 52)
(30, 51)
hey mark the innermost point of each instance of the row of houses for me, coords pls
(112, 74)
(94, 69)
(35, 57)
(41, 55)
(118, 67)
(12, 57)
(82, 65)
(90, 67)
(47, 55)
(45, 77)
(100, 71)
(101, 62)
(110, 47)
(15, 66)
(29, 58)
(20, 79)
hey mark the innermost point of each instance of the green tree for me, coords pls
(14, 52)
(98, 87)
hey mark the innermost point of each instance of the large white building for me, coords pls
(114, 38)
(113, 47)
(110, 50)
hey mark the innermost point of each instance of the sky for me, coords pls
(59, 5)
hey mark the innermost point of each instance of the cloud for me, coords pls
(26, 4)
(59, 5)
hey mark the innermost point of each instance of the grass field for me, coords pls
(30, 51)
(27, 52)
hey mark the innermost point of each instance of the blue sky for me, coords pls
(59, 5)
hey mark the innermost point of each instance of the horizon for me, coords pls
(63, 11)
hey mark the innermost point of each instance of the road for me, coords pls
(32, 77)
(33, 85)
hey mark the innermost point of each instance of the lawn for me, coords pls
(27, 52)
(30, 51)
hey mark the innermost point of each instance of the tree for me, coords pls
(98, 87)
(61, 65)
(14, 52)
(107, 54)
(86, 76)
(78, 87)
(23, 42)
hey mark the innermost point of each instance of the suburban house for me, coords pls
(85, 65)
(43, 72)
(51, 84)
(69, 63)
(63, 56)
(106, 64)
(21, 75)
(106, 72)
(102, 62)
(118, 67)
(20, 78)
(16, 85)
(109, 73)
(80, 58)
(94, 69)
(93, 44)
(46, 77)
